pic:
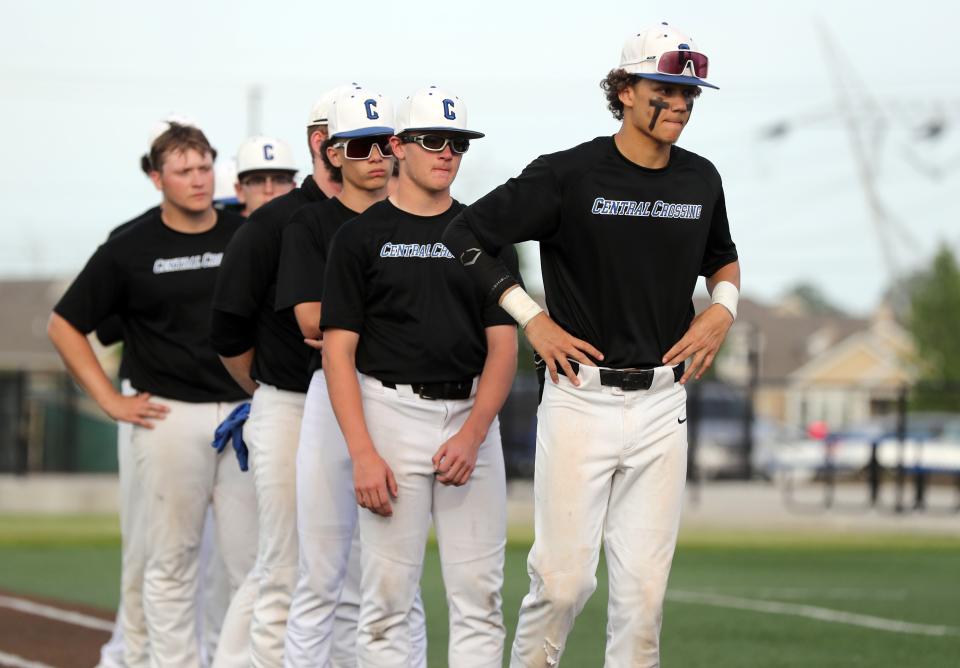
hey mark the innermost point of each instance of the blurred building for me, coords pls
(859, 378)
(46, 422)
(808, 367)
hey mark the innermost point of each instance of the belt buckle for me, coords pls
(636, 380)
(421, 391)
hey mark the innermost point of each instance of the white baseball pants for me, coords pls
(322, 626)
(610, 464)
(213, 590)
(181, 475)
(271, 433)
(127, 646)
(471, 531)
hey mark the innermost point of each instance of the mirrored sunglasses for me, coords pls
(361, 148)
(437, 143)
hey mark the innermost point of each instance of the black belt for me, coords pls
(458, 389)
(629, 379)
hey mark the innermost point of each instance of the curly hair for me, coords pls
(336, 174)
(612, 85)
(618, 80)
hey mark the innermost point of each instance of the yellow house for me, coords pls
(858, 378)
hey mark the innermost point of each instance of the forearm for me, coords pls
(496, 379)
(489, 272)
(729, 273)
(308, 318)
(343, 387)
(238, 366)
(80, 360)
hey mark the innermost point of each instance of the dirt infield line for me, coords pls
(813, 612)
(57, 614)
(45, 633)
(14, 661)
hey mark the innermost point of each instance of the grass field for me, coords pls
(903, 579)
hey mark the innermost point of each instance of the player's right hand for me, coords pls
(557, 347)
(374, 484)
(316, 344)
(138, 410)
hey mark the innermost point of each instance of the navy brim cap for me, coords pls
(676, 79)
(364, 132)
(469, 134)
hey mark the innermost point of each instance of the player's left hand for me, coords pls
(316, 344)
(701, 342)
(455, 460)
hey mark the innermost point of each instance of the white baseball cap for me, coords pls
(320, 111)
(261, 153)
(358, 112)
(163, 125)
(663, 53)
(434, 109)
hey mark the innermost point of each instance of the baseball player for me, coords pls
(265, 170)
(321, 629)
(158, 276)
(265, 353)
(128, 642)
(625, 224)
(420, 421)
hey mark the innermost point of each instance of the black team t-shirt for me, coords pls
(244, 315)
(621, 246)
(303, 257)
(419, 316)
(110, 331)
(160, 283)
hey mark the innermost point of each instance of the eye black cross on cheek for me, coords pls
(659, 104)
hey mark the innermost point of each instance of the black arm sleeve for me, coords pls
(524, 208)
(493, 314)
(231, 334)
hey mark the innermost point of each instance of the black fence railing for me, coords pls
(886, 443)
(46, 425)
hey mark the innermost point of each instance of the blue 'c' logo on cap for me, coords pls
(448, 112)
(371, 107)
(268, 151)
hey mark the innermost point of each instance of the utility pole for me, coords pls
(886, 227)
(254, 110)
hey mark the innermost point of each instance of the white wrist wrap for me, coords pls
(520, 306)
(726, 294)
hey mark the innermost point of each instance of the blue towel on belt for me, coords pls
(232, 428)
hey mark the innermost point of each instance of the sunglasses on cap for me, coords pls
(361, 148)
(675, 62)
(436, 143)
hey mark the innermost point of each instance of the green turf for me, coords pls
(913, 579)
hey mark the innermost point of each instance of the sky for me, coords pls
(82, 84)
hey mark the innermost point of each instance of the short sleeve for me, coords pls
(526, 207)
(247, 270)
(300, 271)
(720, 249)
(344, 297)
(95, 294)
